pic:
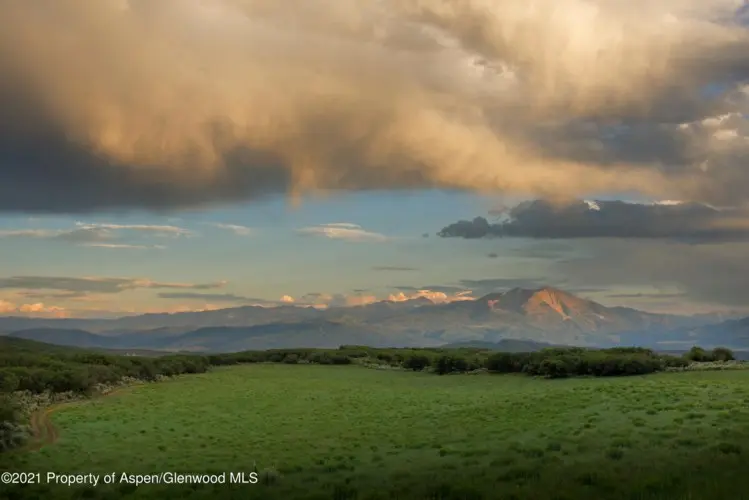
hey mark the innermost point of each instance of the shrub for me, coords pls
(291, 359)
(12, 434)
(674, 362)
(8, 382)
(566, 362)
(697, 354)
(416, 362)
(505, 362)
(340, 360)
(449, 364)
(722, 354)
(275, 357)
(553, 368)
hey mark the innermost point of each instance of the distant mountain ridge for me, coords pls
(544, 315)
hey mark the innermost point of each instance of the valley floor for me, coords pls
(344, 432)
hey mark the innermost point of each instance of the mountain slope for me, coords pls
(545, 315)
(67, 337)
(320, 334)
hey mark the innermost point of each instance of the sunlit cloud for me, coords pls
(35, 310)
(162, 107)
(346, 232)
(159, 230)
(436, 297)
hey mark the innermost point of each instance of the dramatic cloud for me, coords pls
(95, 285)
(694, 252)
(343, 231)
(690, 222)
(173, 103)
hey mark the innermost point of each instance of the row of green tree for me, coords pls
(550, 363)
(618, 361)
(698, 354)
(82, 371)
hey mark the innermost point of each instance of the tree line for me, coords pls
(82, 371)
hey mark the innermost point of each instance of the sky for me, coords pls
(187, 155)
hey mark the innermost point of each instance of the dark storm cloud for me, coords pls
(157, 104)
(690, 222)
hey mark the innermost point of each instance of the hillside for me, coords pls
(23, 345)
(69, 337)
(545, 315)
(20, 346)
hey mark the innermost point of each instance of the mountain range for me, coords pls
(544, 315)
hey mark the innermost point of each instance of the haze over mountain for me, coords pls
(546, 315)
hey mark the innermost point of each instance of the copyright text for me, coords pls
(125, 478)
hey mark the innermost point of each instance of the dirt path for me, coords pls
(43, 431)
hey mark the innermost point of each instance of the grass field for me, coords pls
(343, 432)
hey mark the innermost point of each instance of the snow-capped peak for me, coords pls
(592, 205)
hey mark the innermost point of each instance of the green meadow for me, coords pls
(348, 432)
